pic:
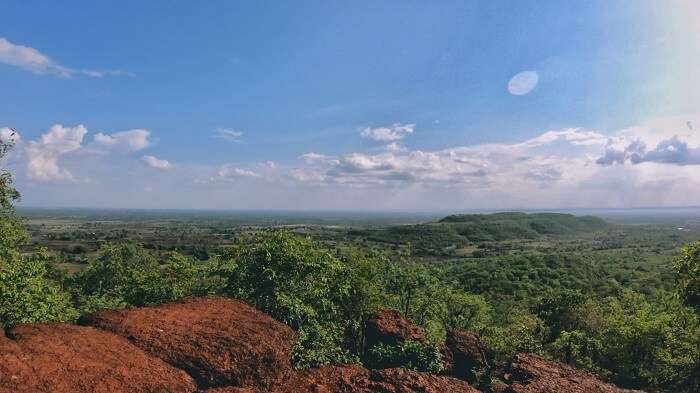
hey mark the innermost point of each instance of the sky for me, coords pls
(364, 105)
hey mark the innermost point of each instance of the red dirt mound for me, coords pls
(69, 358)
(468, 354)
(218, 341)
(389, 327)
(356, 379)
(532, 374)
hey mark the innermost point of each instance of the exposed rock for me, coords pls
(218, 341)
(530, 373)
(356, 379)
(389, 327)
(469, 355)
(69, 358)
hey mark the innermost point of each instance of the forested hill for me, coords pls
(456, 231)
(515, 225)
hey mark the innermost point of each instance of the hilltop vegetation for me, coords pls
(457, 231)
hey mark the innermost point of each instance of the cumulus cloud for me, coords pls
(388, 134)
(30, 59)
(669, 151)
(228, 134)
(553, 157)
(655, 163)
(156, 163)
(130, 140)
(229, 171)
(672, 142)
(43, 154)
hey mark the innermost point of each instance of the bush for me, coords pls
(687, 267)
(298, 283)
(27, 295)
(123, 274)
(412, 355)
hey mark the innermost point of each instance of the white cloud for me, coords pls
(156, 163)
(673, 139)
(312, 157)
(130, 140)
(554, 158)
(393, 146)
(523, 82)
(43, 154)
(228, 171)
(228, 134)
(8, 135)
(388, 134)
(30, 59)
(575, 136)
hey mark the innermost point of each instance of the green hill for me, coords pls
(457, 231)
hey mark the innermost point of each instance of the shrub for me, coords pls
(411, 354)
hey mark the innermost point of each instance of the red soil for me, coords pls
(69, 358)
(532, 374)
(468, 354)
(227, 346)
(218, 341)
(356, 379)
(389, 327)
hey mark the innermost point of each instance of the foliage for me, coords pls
(452, 232)
(459, 310)
(559, 310)
(27, 295)
(412, 289)
(520, 332)
(687, 267)
(320, 344)
(413, 355)
(298, 283)
(578, 349)
(128, 275)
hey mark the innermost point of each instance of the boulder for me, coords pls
(76, 359)
(218, 341)
(389, 327)
(356, 379)
(530, 373)
(469, 355)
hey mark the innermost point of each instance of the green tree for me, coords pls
(11, 234)
(297, 282)
(559, 309)
(687, 267)
(27, 294)
(123, 274)
(459, 310)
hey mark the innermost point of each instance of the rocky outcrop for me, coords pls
(533, 374)
(218, 341)
(356, 379)
(389, 327)
(69, 358)
(226, 346)
(468, 355)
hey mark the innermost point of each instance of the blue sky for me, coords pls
(352, 105)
